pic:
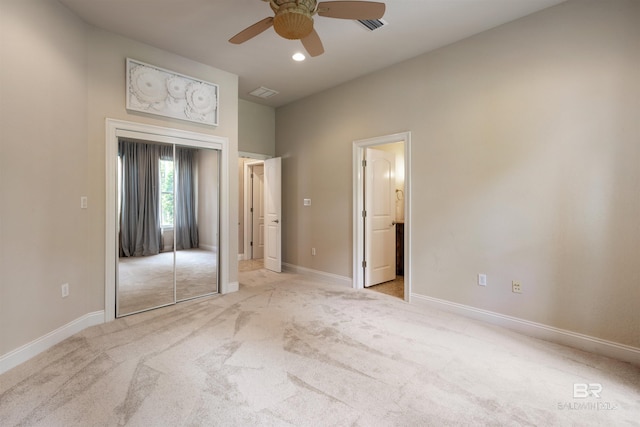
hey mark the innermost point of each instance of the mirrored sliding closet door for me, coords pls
(168, 207)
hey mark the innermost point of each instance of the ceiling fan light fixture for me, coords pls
(298, 57)
(293, 24)
(293, 18)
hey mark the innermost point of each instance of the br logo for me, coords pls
(584, 390)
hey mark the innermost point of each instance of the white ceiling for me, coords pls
(200, 30)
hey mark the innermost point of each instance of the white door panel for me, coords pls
(380, 256)
(273, 211)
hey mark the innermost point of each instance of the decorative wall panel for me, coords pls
(158, 91)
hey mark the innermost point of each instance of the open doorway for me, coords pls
(260, 232)
(381, 188)
(251, 190)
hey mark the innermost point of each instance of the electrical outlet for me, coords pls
(313, 251)
(516, 287)
(482, 279)
(65, 290)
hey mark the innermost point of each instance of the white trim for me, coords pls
(335, 278)
(37, 346)
(119, 128)
(231, 287)
(536, 330)
(257, 156)
(256, 159)
(358, 197)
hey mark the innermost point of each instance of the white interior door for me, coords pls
(257, 206)
(380, 235)
(272, 210)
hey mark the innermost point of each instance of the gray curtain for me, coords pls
(186, 227)
(140, 233)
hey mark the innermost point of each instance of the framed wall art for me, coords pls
(162, 92)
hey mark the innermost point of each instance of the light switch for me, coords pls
(83, 202)
(482, 279)
(307, 202)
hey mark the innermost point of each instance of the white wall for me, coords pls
(525, 151)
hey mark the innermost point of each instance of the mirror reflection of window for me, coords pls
(166, 193)
(168, 210)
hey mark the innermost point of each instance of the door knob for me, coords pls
(276, 221)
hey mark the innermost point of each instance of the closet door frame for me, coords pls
(116, 129)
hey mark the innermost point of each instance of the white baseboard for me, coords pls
(342, 280)
(231, 287)
(37, 346)
(536, 330)
(210, 248)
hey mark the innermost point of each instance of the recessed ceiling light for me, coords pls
(298, 57)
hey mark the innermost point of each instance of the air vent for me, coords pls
(263, 92)
(372, 24)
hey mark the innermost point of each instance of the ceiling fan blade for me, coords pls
(351, 9)
(252, 31)
(313, 44)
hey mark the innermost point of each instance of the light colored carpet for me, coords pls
(147, 282)
(292, 350)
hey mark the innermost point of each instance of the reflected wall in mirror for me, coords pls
(167, 224)
(197, 260)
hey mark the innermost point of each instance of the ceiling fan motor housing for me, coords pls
(293, 19)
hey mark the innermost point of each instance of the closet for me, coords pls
(167, 224)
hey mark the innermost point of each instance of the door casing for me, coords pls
(120, 128)
(358, 153)
(256, 159)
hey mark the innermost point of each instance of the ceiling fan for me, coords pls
(293, 19)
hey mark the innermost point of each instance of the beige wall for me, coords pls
(257, 128)
(43, 171)
(256, 135)
(525, 150)
(106, 59)
(59, 80)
